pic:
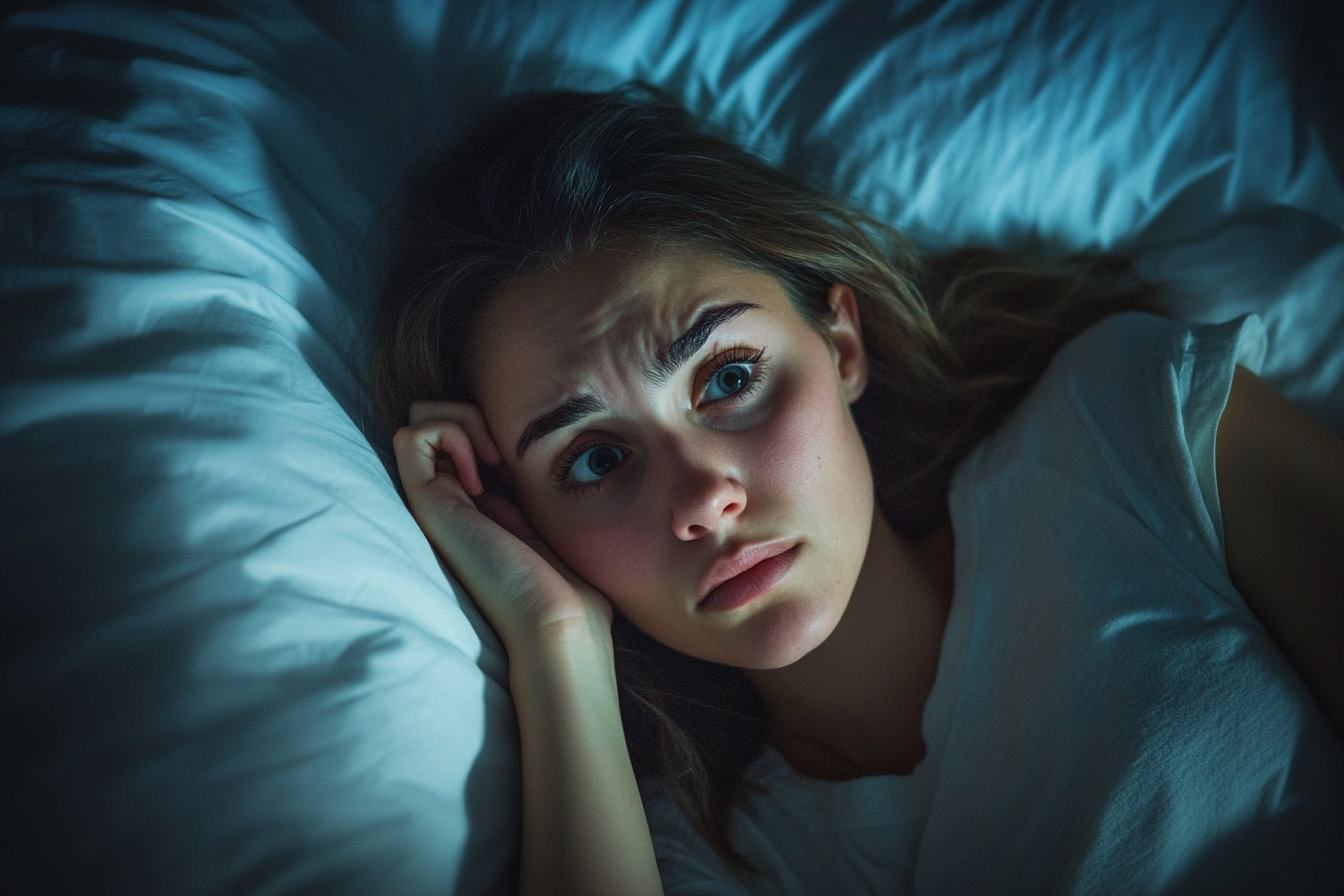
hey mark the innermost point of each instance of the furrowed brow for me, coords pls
(677, 353)
(567, 414)
(681, 349)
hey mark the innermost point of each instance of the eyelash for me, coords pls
(567, 461)
(737, 354)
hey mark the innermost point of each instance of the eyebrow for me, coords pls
(667, 362)
(684, 347)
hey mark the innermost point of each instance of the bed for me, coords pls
(231, 661)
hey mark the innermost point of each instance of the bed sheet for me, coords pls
(231, 662)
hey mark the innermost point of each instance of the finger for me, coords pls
(454, 442)
(415, 464)
(468, 416)
(419, 448)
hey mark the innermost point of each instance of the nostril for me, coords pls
(702, 505)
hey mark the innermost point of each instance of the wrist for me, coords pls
(570, 649)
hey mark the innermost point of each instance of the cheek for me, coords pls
(812, 454)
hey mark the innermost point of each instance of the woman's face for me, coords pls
(681, 438)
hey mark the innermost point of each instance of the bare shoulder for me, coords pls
(1281, 485)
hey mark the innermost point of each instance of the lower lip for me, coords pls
(750, 584)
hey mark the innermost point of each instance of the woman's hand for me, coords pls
(584, 829)
(524, 590)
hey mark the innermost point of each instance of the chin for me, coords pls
(785, 632)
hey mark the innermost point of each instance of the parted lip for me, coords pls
(738, 560)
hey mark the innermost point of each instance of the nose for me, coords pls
(705, 496)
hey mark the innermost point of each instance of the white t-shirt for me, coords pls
(1108, 715)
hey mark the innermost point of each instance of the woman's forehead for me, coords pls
(596, 323)
(613, 305)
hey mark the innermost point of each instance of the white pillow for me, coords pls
(231, 660)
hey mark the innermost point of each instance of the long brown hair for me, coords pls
(953, 343)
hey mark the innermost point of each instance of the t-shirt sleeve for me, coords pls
(1131, 407)
(1165, 401)
(1202, 361)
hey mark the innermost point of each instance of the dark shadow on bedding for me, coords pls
(65, 72)
(1315, 27)
(63, 84)
(1249, 863)
(121, 738)
(157, 349)
(89, 666)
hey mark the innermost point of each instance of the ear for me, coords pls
(847, 341)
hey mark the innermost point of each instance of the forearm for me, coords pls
(584, 829)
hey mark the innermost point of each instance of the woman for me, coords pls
(713, 453)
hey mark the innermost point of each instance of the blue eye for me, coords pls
(727, 381)
(595, 462)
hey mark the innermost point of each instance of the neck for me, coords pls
(854, 705)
